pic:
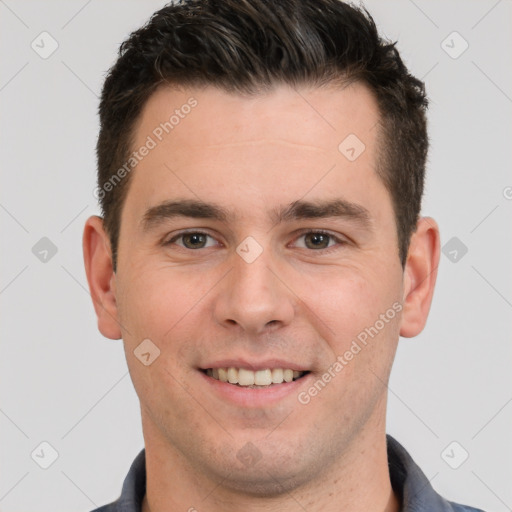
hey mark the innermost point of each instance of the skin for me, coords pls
(295, 302)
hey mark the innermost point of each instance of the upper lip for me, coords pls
(255, 365)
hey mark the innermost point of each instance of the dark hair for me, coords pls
(247, 47)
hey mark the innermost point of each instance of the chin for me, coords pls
(268, 470)
(265, 480)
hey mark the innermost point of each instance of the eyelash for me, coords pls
(325, 250)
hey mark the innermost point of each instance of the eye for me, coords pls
(318, 240)
(192, 240)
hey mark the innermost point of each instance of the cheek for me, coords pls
(347, 302)
(359, 316)
(159, 304)
(362, 317)
(158, 301)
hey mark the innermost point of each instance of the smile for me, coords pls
(254, 379)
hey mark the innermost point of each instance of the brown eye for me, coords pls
(317, 240)
(194, 240)
(320, 241)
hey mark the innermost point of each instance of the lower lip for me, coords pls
(253, 397)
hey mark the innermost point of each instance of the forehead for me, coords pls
(317, 116)
(276, 146)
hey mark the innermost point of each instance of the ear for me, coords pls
(420, 275)
(101, 277)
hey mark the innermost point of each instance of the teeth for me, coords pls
(277, 375)
(263, 378)
(232, 375)
(244, 377)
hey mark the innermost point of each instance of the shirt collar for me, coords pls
(410, 483)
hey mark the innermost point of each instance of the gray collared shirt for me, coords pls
(407, 480)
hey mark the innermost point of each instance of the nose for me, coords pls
(254, 297)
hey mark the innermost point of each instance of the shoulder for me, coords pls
(413, 487)
(457, 507)
(111, 507)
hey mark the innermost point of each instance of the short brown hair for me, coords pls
(248, 46)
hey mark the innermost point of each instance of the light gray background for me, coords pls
(63, 383)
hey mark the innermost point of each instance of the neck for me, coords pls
(393, 504)
(357, 481)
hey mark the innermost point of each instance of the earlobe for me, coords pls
(420, 275)
(101, 277)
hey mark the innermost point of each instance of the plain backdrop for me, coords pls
(62, 383)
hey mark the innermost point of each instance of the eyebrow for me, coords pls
(298, 210)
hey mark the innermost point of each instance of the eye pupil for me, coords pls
(194, 240)
(317, 240)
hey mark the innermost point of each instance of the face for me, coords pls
(251, 240)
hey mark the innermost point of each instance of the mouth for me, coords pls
(259, 379)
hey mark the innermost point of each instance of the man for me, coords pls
(260, 172)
